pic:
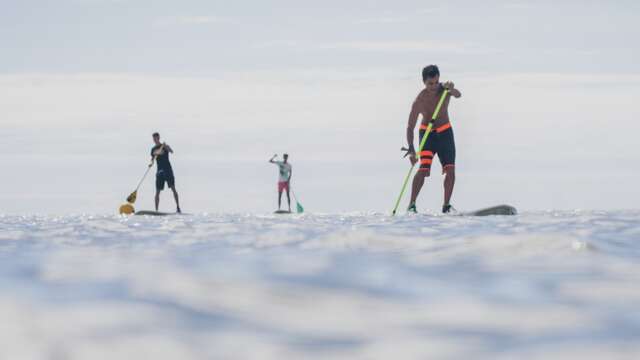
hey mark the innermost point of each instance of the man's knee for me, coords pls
(449, 170)
(423, 173)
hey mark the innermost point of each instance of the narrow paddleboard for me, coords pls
(282, 212)
(494, 210)
(154, 213)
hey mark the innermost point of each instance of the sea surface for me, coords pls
(539, 285)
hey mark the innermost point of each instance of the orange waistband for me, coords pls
(438, 129)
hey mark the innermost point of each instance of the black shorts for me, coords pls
(163, 176)
(440, 142)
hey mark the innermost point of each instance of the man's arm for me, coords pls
(290, 175)
(273, 157)
(169, 149)
(153, 157)
(411, 126)
(452, 89)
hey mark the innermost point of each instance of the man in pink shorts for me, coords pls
(285, 178)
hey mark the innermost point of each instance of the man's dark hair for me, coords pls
(429, 72)
(155, 134)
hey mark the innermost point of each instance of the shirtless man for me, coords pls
(440, 141)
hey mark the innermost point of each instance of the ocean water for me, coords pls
(540, 285)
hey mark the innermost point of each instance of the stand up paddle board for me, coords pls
(494, 210)
(282, 212)
(155, 213)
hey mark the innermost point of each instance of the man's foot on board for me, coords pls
(178, 211)
(448, 209)
(412, 209)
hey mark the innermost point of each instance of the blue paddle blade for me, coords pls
(299, 208)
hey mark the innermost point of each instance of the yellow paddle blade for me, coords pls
(127, 209)
(132, 197)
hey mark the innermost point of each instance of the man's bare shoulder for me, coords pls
(422, 96)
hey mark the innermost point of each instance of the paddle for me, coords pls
(134, 195)
(424, 140)
(299, 207)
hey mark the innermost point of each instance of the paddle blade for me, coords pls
(299, 208)
(132, 197)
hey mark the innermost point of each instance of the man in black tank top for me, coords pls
(160, 153)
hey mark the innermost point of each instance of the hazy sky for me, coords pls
(547, 118)
(215, 37)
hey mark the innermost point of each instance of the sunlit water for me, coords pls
(358, 286)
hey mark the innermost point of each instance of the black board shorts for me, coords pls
(163, 176)
(440, 142)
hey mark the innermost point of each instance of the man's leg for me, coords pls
(288, 199)
(159, 187)
(418, 182)
(447, 155)
(279, 198)
(449, 181)
(157, 199)
(175, 196)
(426, 158)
